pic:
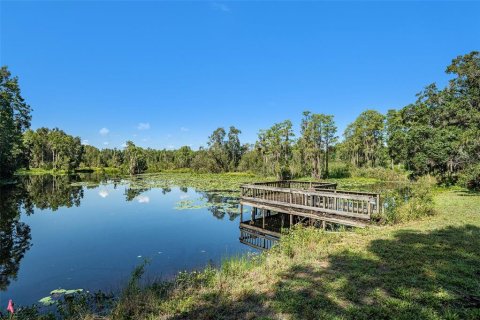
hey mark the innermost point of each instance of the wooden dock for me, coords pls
(320, 202)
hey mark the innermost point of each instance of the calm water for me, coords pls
(58, 235)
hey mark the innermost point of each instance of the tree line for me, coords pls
(438, 134)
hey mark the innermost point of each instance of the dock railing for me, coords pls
(300, 185)
(319, 200)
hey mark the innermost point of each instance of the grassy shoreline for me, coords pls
(423, 269)
(39, 171)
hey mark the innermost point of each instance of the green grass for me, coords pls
(424, 269)
(39, 171)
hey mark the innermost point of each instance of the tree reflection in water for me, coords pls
(15, 238)
(54, 192)
(42, 192)
(220, 205)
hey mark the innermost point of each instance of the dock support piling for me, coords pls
(263, 218)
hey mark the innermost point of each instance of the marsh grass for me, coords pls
(408, 202)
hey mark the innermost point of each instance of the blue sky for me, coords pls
(166, 74)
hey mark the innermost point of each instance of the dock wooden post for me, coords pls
(291, 220)
(378, 204)
(263, 218)
(241, 213)
(369, 208)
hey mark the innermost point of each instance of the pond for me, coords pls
(90, 231)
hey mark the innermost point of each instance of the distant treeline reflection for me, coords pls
(55, 192)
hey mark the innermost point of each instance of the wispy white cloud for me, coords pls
(85, 142)
(220, 6)
(104, 131)
(106, 143)
(143, 126)
(171, 147)
(183, 129)
(123, 145)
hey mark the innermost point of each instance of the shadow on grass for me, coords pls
(467, 193)
(415, 275)
(216, 306)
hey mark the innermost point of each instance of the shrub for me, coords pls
(380, 173)
(410, 202)
(470, 178)
(339, 170)
(195, 279)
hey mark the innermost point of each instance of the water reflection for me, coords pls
(79, 246)
(143, 199)
(103, 193)
(42, 192)
(131, 193)
(51, 192)
(221, 205)
(15, 237)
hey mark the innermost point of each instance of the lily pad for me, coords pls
(47, 301)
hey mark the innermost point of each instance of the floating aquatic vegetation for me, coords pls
(225, 184)
(87, 184)
(47, 301)
(191, 204)
(58, 294)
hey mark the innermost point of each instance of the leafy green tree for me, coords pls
(234, 147)
(217, 147)
(251, 159)
(275, 145)
(438, 134)
(364, 143)
(226, 150)
(311, 144)
(183, 157)
(52, 149)
(14, 120)
(318, 134)
(395, 137)
(329, 138)
(117, 158)
(134, 159)
(92, 157)
(203, 162)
